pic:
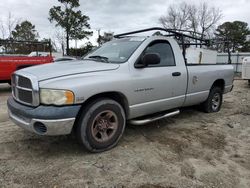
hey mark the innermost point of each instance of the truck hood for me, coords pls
(55, 70)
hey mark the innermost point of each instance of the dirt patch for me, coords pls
(193, 150)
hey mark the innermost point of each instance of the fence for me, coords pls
(236, 58)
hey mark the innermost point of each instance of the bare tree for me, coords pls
(208, 17)
(54, 46)
(197, 18)
(8, 25)
(177, 16)
(183, 15)
(2, 29)
(193, 18)
(60, 38)
(11, 24)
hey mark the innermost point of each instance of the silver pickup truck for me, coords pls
(130, 79)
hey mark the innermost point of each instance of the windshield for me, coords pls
(116, 51)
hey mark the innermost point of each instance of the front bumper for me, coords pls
(43, 120)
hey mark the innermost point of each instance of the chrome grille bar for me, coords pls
(22, 88)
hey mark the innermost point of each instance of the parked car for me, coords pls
(130, 79)
(39, 54)
(63, 59)
(246, 69)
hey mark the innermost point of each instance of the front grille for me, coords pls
(25, 89)
(25, 96)
(24, 82)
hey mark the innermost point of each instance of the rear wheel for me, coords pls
(214, 100)
(101, 125)
(249, 82)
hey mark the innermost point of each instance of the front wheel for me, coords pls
(214, 100)
(101, 125)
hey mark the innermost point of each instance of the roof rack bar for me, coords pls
(193, 44)
(188, 31)
(161, 29)
(8, 41)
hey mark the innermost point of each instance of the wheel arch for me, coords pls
(114, 95)
(219, 83)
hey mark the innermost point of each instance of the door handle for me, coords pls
(176, 74)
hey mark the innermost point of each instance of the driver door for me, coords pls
(161, 86)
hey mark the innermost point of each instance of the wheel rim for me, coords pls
(104, 126)
(216, 101)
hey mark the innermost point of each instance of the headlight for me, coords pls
(56, 97)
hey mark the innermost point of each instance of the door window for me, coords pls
(164, 49)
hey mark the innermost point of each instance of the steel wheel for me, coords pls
(104, 126)
(216, 101)
(101, 125)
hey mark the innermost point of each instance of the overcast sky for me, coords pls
(115, 15)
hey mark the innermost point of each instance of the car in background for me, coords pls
(39, 54)
(65, 58)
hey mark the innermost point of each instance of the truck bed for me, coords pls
(201, 78)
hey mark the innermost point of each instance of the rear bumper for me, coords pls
(43, 120)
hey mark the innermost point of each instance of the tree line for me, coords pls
(73, 24)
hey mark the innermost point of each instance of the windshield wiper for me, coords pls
(99, 57)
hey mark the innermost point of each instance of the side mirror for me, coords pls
(149, 59)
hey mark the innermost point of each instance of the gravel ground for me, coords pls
(192, 149)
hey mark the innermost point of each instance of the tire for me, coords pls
(214, 101)
(101, 125)
(249, 82)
